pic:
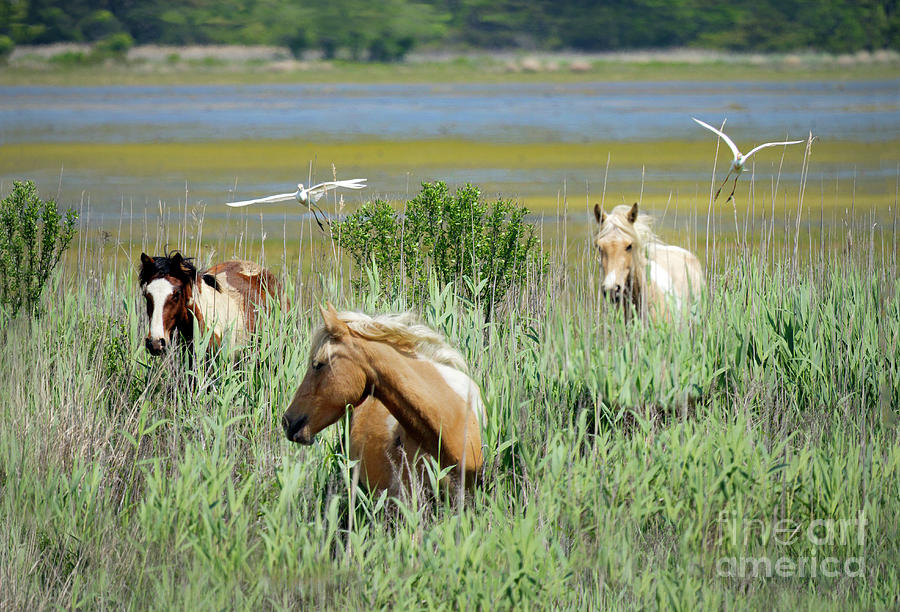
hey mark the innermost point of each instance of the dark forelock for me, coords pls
(164, 266)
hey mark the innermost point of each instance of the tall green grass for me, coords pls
(624, 462)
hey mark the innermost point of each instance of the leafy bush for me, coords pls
(297, 41)
(456, 236)
(6, 47)
(114, 47)
(69, 59)
(390, 49)
(33, 236)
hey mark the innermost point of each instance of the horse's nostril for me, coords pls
(291, 428)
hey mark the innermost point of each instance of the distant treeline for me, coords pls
(387, 29)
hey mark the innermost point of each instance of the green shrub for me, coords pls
(71, 58)
(455, 236)
(115, 46)
(6, 47)
(33, 236)
(297, 41)
(390, 49)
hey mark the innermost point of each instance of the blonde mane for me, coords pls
(639, 231)
(403, 331)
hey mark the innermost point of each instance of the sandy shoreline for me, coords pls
(25, 54)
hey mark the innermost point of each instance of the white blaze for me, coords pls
(158, 290)
(609, 283)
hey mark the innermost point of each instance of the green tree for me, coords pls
(386, 30)
(99, 24)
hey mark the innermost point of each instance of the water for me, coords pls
(519, 114)
(576, 112)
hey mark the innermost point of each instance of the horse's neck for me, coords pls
(194, 305)
(426, 406)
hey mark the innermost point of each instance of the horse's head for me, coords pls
(338, 376)
(617, 242)
(166, 283)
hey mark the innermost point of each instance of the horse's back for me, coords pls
(230, 305)
(676, 272)
(250, 283)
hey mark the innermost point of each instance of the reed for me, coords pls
(624, 461)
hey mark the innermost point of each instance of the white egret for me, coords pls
(303, 195)
(737, 164)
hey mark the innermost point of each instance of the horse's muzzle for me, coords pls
(294, 429)
(155, 346)
(615, 295)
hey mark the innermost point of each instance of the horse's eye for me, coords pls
(318, 365)
(628, 248)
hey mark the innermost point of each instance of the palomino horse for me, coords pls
(225, 298)
(639, 269)
(408, 391)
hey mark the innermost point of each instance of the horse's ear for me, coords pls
(333, 324)
(180, 264)
(146, 260)
(599, 214)
(632, 214)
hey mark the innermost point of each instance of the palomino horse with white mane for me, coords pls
(406, 388)
(639, 269)
(225, 298)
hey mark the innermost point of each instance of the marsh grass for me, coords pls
(613, 450)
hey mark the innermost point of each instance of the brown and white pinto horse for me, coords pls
(406, 388)
(640, 270)
(225, 299)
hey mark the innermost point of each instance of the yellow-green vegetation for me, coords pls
(227, 161)
(627, 465)
(461, 71)
(281, 156)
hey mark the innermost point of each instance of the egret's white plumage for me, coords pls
(737, 164)
(303, 195)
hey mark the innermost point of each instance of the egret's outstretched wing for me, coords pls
(281, 197)
(352, 183)
(727, 140)
(317, 191)
(772, 144)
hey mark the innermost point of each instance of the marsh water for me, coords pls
(135, 132)
(511, 112)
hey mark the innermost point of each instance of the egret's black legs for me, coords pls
(733, 187)
(719, 190)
